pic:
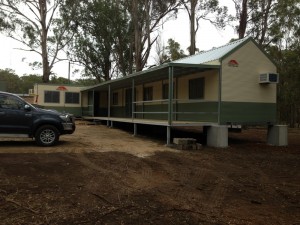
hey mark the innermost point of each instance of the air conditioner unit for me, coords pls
(269, 78)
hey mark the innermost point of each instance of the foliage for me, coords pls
(203, 10)
(85, 82)
(27, 82)
(21, 85)
(288, 91)
(98, 36)
(36, 25)
(268, 21)
(113, 46)
(10, 80)
(173, 51)
(146, 16)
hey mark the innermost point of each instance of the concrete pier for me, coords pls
(217, 136)
(278, 135)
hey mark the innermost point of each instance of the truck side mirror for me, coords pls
(27, 108)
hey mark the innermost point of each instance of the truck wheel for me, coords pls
(47, 135)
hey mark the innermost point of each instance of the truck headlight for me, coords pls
(65, 118)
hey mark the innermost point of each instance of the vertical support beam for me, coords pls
(93, 105)
(133, 101)
(176, 97)
(170, 105)
(108, 105)
(143, 87)
(134, 129)
(168, 135)
(220, 95)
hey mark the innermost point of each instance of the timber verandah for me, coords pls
(169, 112)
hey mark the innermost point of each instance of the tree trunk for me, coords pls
(266, 12)
(106, 69)
(192, 27)
(243, 19)
(137, 36)
(44, 34)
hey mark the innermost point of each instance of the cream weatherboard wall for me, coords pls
(244, 100)
(61, 105)
(210, 88)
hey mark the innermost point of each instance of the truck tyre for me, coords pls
(47, 135)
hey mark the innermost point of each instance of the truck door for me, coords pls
(14, 119)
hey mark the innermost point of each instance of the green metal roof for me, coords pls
(153, 74)
(218, 54)
(215, 53)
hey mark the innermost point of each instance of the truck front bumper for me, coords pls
(69, 128)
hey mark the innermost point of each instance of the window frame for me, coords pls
(165, 90)
(72, 97)
(115, 98)
(46, 98)
(148, 93)
(197, 88)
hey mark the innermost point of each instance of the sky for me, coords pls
(207, 37)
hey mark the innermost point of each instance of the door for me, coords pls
(96, 104)
(14, 119)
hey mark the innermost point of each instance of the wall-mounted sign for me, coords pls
(61, 88)
(233, 63)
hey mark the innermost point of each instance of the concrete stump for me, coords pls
(217, 136)
(278, 135)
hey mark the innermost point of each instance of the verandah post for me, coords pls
(108, 108)
(170, 105)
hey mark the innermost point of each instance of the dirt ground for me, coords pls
(100, 175)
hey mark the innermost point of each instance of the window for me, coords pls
(196, 88)
(148, 93)
(51, 97)
(115, 98)
(165, 91)
(72, 97)
(8, 102)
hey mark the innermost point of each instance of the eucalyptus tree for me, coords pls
(173, 51)
(242, 15)
(114, 38)
(268, 21)
(208, 10)
(101, 41)
(37, 26)
(146, 16)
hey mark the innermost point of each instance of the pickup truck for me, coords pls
(21, 119)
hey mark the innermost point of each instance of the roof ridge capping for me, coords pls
(214, 53)
(229, 43)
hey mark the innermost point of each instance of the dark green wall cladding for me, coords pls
(192, 111)
(248, 113)
(118, 111)
(231, 112)
(162, 108)
(204, 111)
